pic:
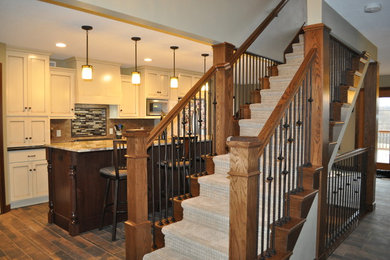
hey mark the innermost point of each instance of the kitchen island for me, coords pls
(76, 189)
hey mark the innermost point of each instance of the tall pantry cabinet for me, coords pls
(27, 108)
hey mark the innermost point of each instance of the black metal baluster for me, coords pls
(166, 175)
(275, 175)
(159, 181)
(285, 171)
(178, 158)
(200, 142)
(153, 199)
(294, 147)
(173, 163)
(215, 119)
(280, 159)
(194, 157)
(263, 226)
(183, 155)
(269, 181)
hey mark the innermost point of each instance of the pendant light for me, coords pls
(174, 79)
(86, 70)
(205, 87)
(135, 75)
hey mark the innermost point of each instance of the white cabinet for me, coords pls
(28, 177)
(129, 106)
(105, 86)
(62, 83)
(27, 131)
(186, 82)
(27, 83)
(156, 84)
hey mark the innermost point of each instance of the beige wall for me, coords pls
(3, 60)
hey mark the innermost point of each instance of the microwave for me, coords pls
(156, 107)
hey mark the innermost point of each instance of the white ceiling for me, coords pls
(374, 26)
(36, 25)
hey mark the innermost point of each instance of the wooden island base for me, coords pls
(76, 189)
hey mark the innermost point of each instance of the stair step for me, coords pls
(209, 212)
(250, 127)
(298, 47)
(196, 241)
(281, 256)
(287, 234)
(221, 164)
(164, 254)
(301, 203)
(287, 69)
(215, 186)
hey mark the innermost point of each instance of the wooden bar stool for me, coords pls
(115, 173)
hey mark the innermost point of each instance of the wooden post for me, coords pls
(371, 92)
(137, 227)
(224, 95)
(244, 197)
(317, 36)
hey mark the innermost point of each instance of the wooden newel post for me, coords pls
(137, 227)
(244, 197)
(224, 95)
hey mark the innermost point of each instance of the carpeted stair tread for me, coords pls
(165, 254)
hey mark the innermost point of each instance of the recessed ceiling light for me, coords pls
(148, 59)
(61, 45)
(372, 7)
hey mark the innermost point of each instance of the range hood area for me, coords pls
(105, 86)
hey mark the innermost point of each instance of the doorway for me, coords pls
(383, 141)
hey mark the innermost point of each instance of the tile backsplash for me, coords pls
(65, 126)
(89, 121)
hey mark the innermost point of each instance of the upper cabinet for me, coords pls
(156, 84)
(129, 106)
(27, 86)
(104, 88)
(62, 84)
(186, 81)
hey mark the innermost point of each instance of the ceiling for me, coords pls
(374, 26)
(36, 25)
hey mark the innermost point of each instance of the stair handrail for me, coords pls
(172, 114)
(350, 154)
(269, 127)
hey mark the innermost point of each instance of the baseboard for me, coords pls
(28, 202)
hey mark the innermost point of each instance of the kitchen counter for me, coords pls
(83, 146)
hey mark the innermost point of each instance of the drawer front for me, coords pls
(26, 155)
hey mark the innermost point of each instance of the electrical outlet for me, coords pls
(111, 131)
(58, 133)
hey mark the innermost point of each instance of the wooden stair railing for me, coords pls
(281, 172)
(183, 121)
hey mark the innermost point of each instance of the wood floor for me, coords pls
(371, 239)
(25, 234)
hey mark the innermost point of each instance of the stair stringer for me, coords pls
(346, 114)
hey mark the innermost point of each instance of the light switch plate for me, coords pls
(111, 131)
(58, 133)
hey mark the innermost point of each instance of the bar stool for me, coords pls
(115, 173)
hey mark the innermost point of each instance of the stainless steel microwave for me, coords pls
(155, 107)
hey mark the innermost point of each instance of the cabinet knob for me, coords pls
(71, 109)
(121, 110)
(30, 170)
(30, 138)
(25, 108)
(35, 170)
(29, 108)
(26, 138)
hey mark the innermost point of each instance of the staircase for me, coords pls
(204, 231)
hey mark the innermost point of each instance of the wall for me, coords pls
(4, 171)
(345, 32)
(384, 81)
(348, 142)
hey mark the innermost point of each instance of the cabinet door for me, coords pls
(17, 131)
(61, 94)
(16, 83)
(152, 84)
(38, 69)
(130, 98)
(39, 131)
(185, 84)
(164, 86)
(40, 179)
(20, 181)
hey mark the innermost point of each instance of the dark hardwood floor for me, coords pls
(371, 239)
(25, 234)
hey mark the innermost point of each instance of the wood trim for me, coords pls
(277, 114)
(384, 92)
(3, 207)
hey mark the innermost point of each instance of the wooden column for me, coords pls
(137, 227)
(371, 92)
(244, 197)
(3, 206)
(224, 95)
(317, 36)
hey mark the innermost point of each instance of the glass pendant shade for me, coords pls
(135, 77)
(174, 82)
(86, 72)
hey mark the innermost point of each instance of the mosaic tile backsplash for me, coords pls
(90, 121)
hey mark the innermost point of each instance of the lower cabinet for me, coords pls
(27, 131)
(28, 177)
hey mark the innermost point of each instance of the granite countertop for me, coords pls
(83, 146)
